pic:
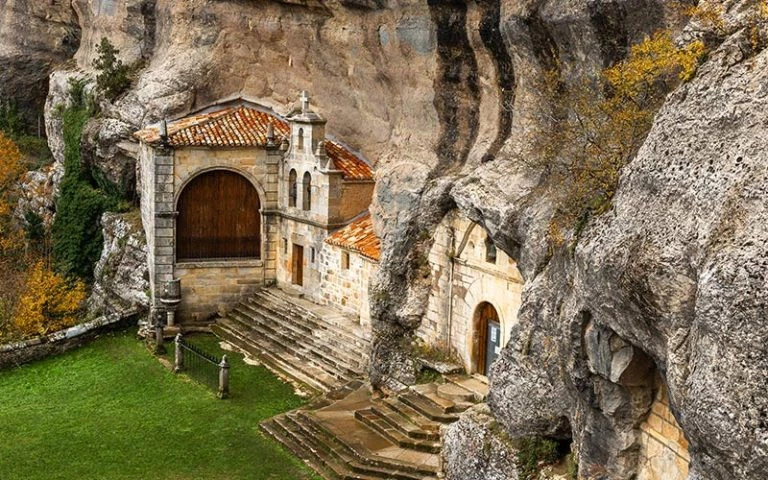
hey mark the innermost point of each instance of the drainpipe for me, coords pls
(452, 265)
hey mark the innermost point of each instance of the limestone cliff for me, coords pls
(441, 95)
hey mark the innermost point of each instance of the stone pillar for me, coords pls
(224, 377)
(178, 364)
(165, 221)
(270, 209)
(159, 340)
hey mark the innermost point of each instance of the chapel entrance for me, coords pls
(297, 267)
(487, 341)
(219, 218)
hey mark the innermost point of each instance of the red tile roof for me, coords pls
(243, 126)
(358, 236)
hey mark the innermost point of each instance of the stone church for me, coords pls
(236, 198)
(258, 229)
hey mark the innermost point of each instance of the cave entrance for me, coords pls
(487, 338)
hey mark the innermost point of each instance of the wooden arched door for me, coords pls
(487, 337)
(219, 218)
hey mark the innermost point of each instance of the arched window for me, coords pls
(306, 201)
(490, 250)
(218, 218)
(300, 146)
(293, 190)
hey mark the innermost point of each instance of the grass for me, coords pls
(110, 410)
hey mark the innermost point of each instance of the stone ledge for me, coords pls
(18, 353)
(234, 263)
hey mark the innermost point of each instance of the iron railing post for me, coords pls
(224, 377)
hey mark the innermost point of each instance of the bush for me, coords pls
(594, 128)
(113, 77)
(76, 233)
(48, 302)
(533, 454)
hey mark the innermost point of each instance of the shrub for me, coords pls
(534, 453)
(76, 233)
(113, 77)
(595, 127)
(48, 302)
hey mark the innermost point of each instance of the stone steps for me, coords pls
(291, 336)
(310, 351)
(330, 457)
(393, 433)
(420, 428)
(324, 318)
(313, 378)
(295, 332)
(476, 384)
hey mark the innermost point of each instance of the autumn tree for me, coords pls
(48, 302)
(594, 127)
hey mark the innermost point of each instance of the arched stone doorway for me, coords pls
(487, 338)
(219, 218)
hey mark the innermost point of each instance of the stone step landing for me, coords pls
(363, 437)
(303, 342)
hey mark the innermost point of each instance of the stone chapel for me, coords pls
(237, 199)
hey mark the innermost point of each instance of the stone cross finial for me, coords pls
(270, 133)
(304, 101)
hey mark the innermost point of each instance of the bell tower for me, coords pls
(307, 129)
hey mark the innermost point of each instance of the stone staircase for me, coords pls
(314, 345)
(365, 438)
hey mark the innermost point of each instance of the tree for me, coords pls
(594, 127)
(112, 78)
(48, 302)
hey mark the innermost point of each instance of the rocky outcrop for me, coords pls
(477, 448)
(121, 278)
(35, 37)
(442, 96)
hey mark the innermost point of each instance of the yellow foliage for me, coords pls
(595, 128)
(657, 58)
(10, 163)
(48, 302)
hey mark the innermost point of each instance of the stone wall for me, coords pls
(213, 287)
(663, 446)
(475, 280)
(356, 198)
(15, 354)
(346, 288)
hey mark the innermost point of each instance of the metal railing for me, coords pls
(202, 366)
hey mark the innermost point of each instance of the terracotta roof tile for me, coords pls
(246, 127)
(358, 236)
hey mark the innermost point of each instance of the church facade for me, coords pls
(235, 198)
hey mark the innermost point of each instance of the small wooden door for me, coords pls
(297, 263)
(487, 337)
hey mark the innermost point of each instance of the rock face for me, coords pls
(121, 278)
(35, 37)
(442, 96)
(476, 448)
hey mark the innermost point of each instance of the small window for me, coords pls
(292, 188)
(285, 246)
(490, 250)
(345, 260)
(307, 198)
(312, 254)
(300, 146)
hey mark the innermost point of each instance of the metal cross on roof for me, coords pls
(304, 101)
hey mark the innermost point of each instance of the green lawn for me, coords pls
(110, 410)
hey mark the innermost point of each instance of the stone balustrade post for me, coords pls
(178, 364)
(159, 334)
(224, 377)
